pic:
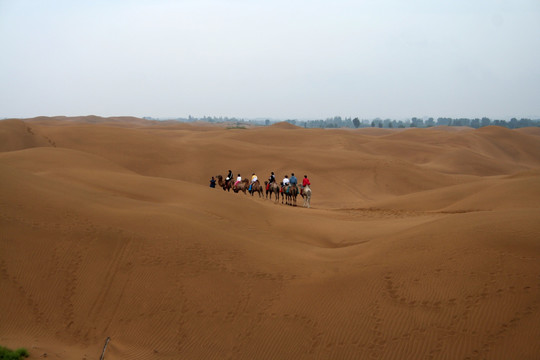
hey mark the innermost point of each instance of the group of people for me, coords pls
(272, 179)
(288, 181)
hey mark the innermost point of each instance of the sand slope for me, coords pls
(420, 244)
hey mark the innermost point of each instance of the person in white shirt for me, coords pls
(238, 179)
(286, 180)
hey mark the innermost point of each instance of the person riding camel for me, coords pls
(305, 182)
(294, 181)
(253, 179)
(286, 180)
(229, 176)
(285, 183)
(238, 180)
(271, 180)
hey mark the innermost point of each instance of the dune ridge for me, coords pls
(420, 243)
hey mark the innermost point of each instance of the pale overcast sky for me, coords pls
(303, 59)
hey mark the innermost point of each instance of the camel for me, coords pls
(306, 194)
(256, 187)
(293, 193)
(241, 186)
(289, 193)
(226, 185)
(284, 194)
(273, 188)
(268, 191)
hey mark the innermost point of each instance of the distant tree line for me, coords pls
(210, 119)
(338, 122)
(348, 122)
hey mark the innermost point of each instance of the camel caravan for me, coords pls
(288, 190)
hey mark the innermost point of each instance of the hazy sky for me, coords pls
(304, 59)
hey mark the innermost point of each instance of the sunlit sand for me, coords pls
(419, 243)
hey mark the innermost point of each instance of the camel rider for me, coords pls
(286, 181)
(293, 180)
(253, 179)
(271, 180)
(229, 176)
(238, 180)
(305, 182)
(285, 184)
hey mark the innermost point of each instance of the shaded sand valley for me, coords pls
(420, 243)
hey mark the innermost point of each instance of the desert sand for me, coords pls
(420, 243)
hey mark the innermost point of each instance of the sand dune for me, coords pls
(420, 243)
(17, 135)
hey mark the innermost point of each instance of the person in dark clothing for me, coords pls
(212, 182)
(271, 180)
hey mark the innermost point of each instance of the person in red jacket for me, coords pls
(305, 182)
